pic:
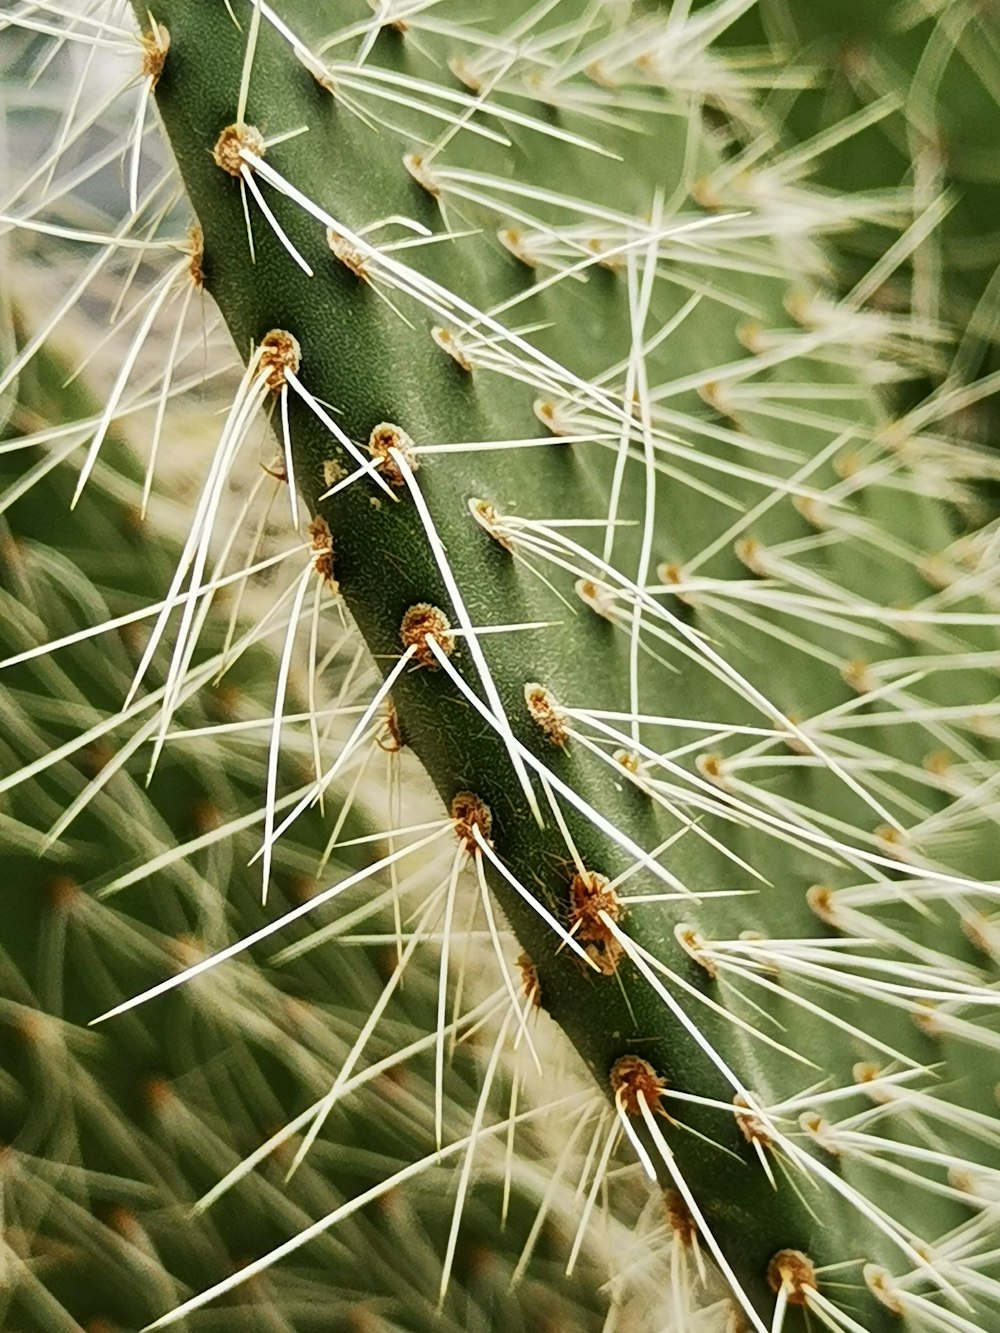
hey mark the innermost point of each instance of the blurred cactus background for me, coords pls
(544, 875)
(922, 82)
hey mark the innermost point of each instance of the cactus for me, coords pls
(128, 1127)
(115, 1139)
(920, 85)
(695, 644)
(941, 63)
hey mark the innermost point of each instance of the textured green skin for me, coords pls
(861, 52)
(358, 356)
(963, 115)
(166, 1098)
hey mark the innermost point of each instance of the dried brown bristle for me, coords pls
(470, 813)
(195, 251)
(231, 142)
(530, 984)
(322, 545)
(278, 470)
(384, 438)
(424, 623)
(750, 1123)
(633, 1078)
(682, 1224)
(794, 1272)
(545, 712)
(395, 741)
(279, 353)
(590, 896)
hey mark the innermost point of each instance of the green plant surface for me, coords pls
(943, 64)
(920, 84)
(709, 638)
(116, 1139)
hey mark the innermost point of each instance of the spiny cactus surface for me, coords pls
(918, 87)
(693, 641)
(116, 1139)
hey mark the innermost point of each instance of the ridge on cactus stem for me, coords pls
(693, 639)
